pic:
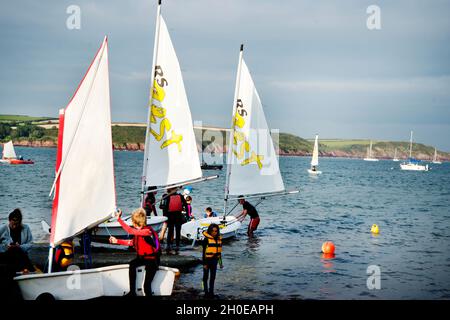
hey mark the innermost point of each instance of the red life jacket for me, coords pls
(175, 203)
(147, 247)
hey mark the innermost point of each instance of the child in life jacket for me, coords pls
(212, 255)
(209, 213)
(146, 243)
(63, 256)
(189, 215)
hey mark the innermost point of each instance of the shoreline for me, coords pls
(139, 147)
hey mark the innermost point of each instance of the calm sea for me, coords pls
(284, 260)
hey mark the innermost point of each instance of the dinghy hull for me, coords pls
(105, 230)
(108, 281)
(193, 230)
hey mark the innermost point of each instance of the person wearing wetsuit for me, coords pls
(212, 255)
(149, 202)
(146, 243)
(248, 209)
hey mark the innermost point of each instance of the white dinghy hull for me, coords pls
(314, 172)
(193, 230)
(105, 230)
(111, 281)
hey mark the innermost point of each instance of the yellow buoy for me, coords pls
(375, 229)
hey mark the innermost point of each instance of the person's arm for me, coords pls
(242, 215)
(184, 203)
(128, 243)
(204, 244)
(27, 243)
(133, 231)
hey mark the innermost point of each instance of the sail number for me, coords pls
(157, 111)
(242, 149)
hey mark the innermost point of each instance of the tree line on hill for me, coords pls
(26, 130)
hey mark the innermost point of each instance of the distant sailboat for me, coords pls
(84, 194)
(252, 163)
(435, 158)
(412, 164)
(395, 156)
(9, 155)
(315, 158)
(369, 154)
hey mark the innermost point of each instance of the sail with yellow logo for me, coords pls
(252, 162)
(171, 155)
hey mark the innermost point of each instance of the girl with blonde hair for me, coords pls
(145, 241)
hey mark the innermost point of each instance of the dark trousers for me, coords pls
(17, 259)
(210, 271)
(174, 221)
(151, 266)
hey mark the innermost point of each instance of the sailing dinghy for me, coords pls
(435, 158)
(412, 164)
(315, 158)
(369, 154)
(85, 195)
(252, 164)
(395, 156)
(170, 155)
(9, 155)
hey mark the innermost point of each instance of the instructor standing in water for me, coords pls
(248, 209)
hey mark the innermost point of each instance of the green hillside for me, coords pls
(25, 129)
(21, 118)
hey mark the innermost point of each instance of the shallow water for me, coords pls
(284, 261)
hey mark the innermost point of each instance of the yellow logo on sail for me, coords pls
(159, 112)
(243, 147)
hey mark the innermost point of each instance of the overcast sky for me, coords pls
(316, 65)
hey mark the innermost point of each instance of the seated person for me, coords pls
(15, 243)
(209, 213)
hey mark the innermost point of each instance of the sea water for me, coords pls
(284, 259)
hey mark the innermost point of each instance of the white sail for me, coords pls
(315, 156)
(435, 155)
(8, 151)
(85, 191)
(253, 165)
(171, 155)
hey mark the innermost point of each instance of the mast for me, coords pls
(410, 145)
(236, 94)
(152, 79)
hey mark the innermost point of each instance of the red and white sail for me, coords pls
(85, 188)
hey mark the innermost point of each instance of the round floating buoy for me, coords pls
(328, 247)
(375, 229)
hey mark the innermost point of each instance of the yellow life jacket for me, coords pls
(64, 254)
(214, 246)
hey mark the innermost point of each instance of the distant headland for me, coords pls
(43, 132)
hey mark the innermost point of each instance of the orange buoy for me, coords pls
(328, 247)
